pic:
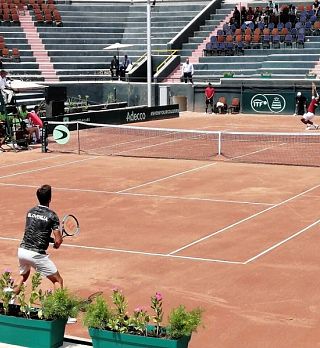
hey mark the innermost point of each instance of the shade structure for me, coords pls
(117, 47)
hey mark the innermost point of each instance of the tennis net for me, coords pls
(250, 147)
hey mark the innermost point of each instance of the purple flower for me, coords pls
(7, 270)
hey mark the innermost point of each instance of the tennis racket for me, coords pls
(314, 90)
(70, 226)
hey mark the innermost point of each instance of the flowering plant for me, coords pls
(115, 317)
(37, 304)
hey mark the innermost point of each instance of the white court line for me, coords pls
(167, 177)
(141, 194)
(45, 168)
(241, 221)
(31, 161)
(254, 152)
(136, 252)
(282, 242)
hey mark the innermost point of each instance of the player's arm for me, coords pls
(57, 236)
(57, 239)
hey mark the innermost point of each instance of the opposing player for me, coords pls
(310, 114)
(40, 223)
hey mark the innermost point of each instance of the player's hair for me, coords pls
(44, 194)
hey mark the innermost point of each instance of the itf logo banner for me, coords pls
(268, 103)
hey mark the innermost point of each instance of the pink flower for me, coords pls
(138, 309)
(158, 296)
(7, 270)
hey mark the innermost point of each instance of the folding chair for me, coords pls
(15, 54)
(221, 106)
(234, 107)
(276, 41)
(288, 40)
(300, 41)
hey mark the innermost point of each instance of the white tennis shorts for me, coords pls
(308, 116)
(40, 262)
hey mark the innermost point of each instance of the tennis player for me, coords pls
(310, 114)
(40, 223)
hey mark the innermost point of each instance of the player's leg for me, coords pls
(307, 119)
(48, 269)
(56, 279)
(211, 104)
(207, 103)
(25, 264)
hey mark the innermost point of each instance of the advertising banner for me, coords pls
(255, 102)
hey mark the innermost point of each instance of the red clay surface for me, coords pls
(239, 240)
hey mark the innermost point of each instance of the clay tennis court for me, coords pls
(240, 240)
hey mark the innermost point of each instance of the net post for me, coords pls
(219, 143)
(78, 135)
(44, 136)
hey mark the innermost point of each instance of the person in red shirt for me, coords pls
(34, 117)
(209, 94)
(310, 114)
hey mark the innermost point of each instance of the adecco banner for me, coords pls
(122, 115)
(268, 102)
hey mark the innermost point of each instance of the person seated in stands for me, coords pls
(124, 66)
(274, 18)
(250, 14)
(267, 14)
(257, 15)
(284, 15)
(316, 7)
(243, 14)
(237, 17)
(292, 13)
(5, 87)
(114, 67)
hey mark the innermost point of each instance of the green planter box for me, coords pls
(109, 339)
(31, 333)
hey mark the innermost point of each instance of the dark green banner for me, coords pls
(257, 102)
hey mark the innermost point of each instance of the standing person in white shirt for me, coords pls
(187, 71)
(5, 87)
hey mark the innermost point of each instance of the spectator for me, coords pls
(187, 71)
(243, 15)
(301, 104)
(6, 90)
(126, 63)
(292, 13)
(31, 123)
(114, 67)
(237, 17)
(209, 95)
(315, 7)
